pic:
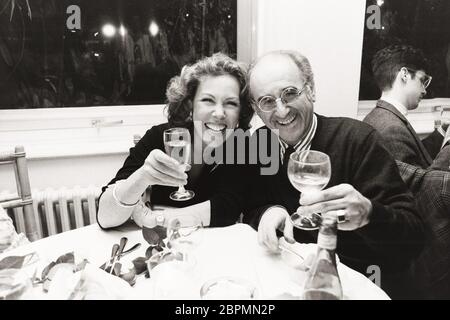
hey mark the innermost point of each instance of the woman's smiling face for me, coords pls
(217, 106)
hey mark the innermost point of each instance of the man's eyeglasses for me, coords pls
(269, 103)
(425, 79)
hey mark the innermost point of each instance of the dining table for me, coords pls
(226, 252)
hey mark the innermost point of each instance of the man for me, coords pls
(400, 72)
(431, 189)
(381, 225)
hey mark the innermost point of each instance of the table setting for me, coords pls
(189, 264)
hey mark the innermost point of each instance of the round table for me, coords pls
(230, 251)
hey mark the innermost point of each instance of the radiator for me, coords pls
(59, 210)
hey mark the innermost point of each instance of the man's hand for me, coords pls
(274, 218)
(342, 198)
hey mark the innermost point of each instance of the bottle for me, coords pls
(323, 281)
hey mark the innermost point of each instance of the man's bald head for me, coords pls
(296, 57)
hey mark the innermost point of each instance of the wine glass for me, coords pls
(441, 117)
(177, 142)
(184, 232)
(308, 171)
(437, 115)
(228, 288)
(445, 118)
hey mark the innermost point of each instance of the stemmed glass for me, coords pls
(308, 171)
(177, 142)
(184, 232)
(445, 118)
(172, 270)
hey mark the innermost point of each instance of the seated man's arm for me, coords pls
(411, 175)
(395, 232)
(442, 160)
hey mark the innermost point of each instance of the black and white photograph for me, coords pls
(223, 156)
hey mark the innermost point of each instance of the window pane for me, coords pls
(109, 52)
(424, 24)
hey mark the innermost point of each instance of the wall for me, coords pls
(68, 153)
(330, 34)
(67, 172)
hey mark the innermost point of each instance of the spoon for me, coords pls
(123, 243)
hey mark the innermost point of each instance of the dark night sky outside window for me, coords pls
(43, 64)
(422, 23)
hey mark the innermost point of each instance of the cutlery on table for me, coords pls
(114, 250)
(125, 252)
(123, 243)
(136, 246)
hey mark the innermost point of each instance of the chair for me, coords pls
(23, 198)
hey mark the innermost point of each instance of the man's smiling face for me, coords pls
(270, 76)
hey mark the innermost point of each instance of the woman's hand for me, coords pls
(143, 216)
(161, 169)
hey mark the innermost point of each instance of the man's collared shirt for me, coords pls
(303, 144)
(398, 105)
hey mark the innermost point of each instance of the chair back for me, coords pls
(18, 160)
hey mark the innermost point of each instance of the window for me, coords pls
(54, 125)
(79, 53)
(423, 24)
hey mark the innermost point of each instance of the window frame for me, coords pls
(422, 119)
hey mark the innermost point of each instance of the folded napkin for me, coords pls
(91, 283)
(9, 239)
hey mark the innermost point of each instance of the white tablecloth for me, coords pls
(231, 251)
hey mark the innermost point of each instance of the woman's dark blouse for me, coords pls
(216, 182)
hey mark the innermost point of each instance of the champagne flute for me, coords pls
(308, 171)
(177, 142)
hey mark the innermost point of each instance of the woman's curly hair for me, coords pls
(181, 89)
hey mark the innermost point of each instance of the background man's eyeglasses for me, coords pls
(426, 79)
(289, 94)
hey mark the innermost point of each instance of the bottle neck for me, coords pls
(327, 241)
(327, 238)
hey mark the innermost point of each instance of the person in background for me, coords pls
(9, 238)
(431, 189)
(212, 95)
(400, 72)
(381, 225)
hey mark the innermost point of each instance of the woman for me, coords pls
(212, 95)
